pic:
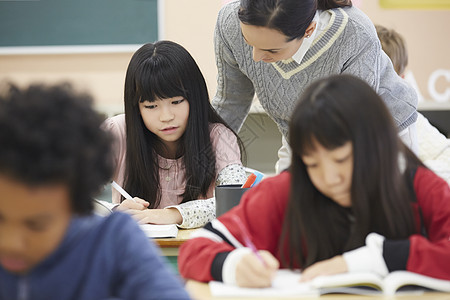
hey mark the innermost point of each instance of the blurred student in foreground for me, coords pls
(53, 159)
(433, 146)
(354, 199)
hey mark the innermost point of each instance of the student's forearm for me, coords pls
(157, 216)
(196, 213)
(173, 215)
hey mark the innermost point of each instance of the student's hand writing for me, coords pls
(251, 272)
(137, 204)
(157, 216)
(330, 266)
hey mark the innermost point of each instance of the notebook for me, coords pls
(286, 284)
(103, 208)
(160, 231)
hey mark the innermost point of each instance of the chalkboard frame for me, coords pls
(77, 26)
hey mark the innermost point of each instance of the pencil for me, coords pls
(121, 191)
(248, 242)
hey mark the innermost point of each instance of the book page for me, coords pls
(349, 283)
(102, 208)
(398, 279)
(349, 279)
(366, 283)
(160, 231)
(285, 284)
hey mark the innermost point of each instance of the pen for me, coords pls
(250, 180)
(247, 240)
(121, 191)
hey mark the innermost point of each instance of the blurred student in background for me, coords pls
(54, 159)
(433, 146)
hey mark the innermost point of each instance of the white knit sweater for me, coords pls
(434, 148)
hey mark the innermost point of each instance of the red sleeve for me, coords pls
(431, 255)
(261, 210)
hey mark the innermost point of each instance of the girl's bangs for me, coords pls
(323, 126)
(153, 85)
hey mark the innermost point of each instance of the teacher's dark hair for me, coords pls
(51, 135)
(291, 17)
(333, 111)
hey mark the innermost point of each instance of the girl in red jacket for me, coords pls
(354, 199)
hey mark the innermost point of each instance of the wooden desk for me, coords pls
(170, 246)
(200, 291)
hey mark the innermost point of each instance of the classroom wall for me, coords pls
(426, 36)
(101, 74)
(191, 23)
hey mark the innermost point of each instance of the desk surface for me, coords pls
(183, 236)
(169, 246)
(200, 291)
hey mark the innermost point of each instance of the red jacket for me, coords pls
(262, 211)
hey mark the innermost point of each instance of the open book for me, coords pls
(104, 208)
(286, 284)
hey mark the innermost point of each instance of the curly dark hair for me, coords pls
(51, 134)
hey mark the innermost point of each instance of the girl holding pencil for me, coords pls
(354, 199)
(171, 147)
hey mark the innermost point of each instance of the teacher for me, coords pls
(276, 48)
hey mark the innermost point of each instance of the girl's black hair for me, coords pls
(291, 17)
(158, 71)
(333, 111)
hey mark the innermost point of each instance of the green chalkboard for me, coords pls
(77, 22)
